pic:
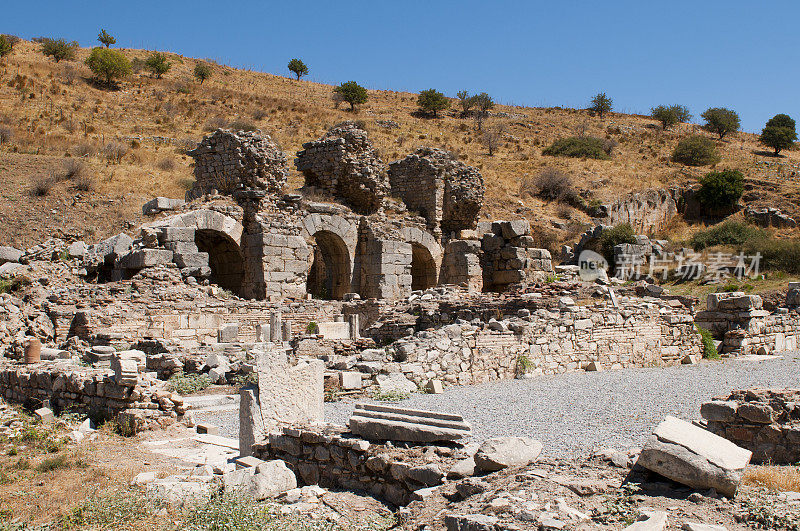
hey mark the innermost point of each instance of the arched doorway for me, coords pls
(423, 268)
(329, 277)
(224, 258)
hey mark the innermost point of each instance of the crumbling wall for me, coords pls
(226, 161)
(647, 211)
(764, 421)
(445, 191)
(344, 164)
(461, 264)
(509, 256)
(745, 328)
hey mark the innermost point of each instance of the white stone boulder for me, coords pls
(690, 455)
(506, 452)
(267, 480)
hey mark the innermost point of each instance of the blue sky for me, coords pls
(700, 53)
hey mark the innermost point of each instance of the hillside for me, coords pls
(55, 113)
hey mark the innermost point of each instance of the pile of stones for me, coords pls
(344, 164)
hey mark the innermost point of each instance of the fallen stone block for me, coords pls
(434, 387)
(248, 461)
(690, 455)
(209, 429)
(378, 422)
(505, 452)
(396, 382)
(161, 204)
(689, 359)
(350, 380)
(470, 522)
(266, 480)
(654, 521)
(145, 258)
(44, 415)
(719, 410)
(593, 366)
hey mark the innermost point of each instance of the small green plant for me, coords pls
(53, 463)
(620, 508)
(157, 64)
(59, 49)
(108, 66)
(5, 46)
(311, 328)
(764, 514)
(721, 121)
(352, 93)
(392, 395)
(709, 348)
(202, 72)
(720, 190)
(298, 68)
(696, 150)
(589, 147)
(730, 232)
(601, 104)
(609, 238)
(332, 395)
(524, 364)
(432, 101)
(186, 384)
(670, 115)
(243, 380)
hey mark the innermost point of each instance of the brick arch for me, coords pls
(426, 257)
(348, 232)
(211, 220)
(333, 240)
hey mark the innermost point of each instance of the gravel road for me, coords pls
(577, 412)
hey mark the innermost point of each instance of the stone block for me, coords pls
(10, 254)
(208, 429)
(161, 204)
(379, 422)
(44, 415)
(228, 333)
(176, 234)
(690, 455)
(142, 258)
(719, 411)
(191, 260)
(507, 452)
(350, 380)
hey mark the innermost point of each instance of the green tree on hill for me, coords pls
(721, 121)
(432, 101)
(108, 66)
(670, 115)
(779, 133)
(601, 104)
(298, 67)
(5, 46)
(106, 39)
(59, 49)
(352, 93)
(202, 72)
(465, 100)
(157, 64)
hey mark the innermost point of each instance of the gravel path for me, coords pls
(574, 413)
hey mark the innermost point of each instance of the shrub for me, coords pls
(202, 72)
(721, 190)
(352, 93)
(709, 348)
(721, 121)
(580, 146)
(59, 49)
(601, 104)
(243, 125)
(491, 140)
(186, 384)
(311, 327)
(483, 103)
(157, 64)
(6, 134)
(83, 183)
(41, 185)
(298, 67)
(106, 39)
(5, 46)
(108, 65)
(696, 150)
(730, 232)
(779, 133)
(83, 150)
(166, 164)
(670, 115)
(432, 101)
(554, 185)
(73, 168)
(53, 463)
(465, 100)
(114, 152)
(776, 254)
(392, 395)
(609, 238)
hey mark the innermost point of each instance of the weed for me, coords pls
(392, 395)
(524, 364)
(53, 463)
(186, 384)
(620, 507)
(764, 514)
(311, 328)
(709, 348)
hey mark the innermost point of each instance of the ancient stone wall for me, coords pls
(344, 164)
(229, 160)
(461, 264)
(445, 191)
(332, 457)
(764, 421)
(509, 256)
(647, 211)
(550, 342)
(98, 393)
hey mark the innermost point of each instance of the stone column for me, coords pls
(275, 326)
(287, 330)
(354, 332)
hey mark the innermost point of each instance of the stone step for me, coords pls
(411, 412)
(207, 401)
(379, 422)
(401, 417)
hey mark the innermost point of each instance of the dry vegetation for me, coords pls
(52, 110)
(774, 478)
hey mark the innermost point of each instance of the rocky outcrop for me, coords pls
(445, 191)
(769, 217)
(344, 164)
(229, 160)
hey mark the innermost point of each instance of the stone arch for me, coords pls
(333, 240)
(426, 257)
(221, 237)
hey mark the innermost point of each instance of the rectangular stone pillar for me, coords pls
(354, 323)
(275, 327)
(287, 330)
(263, 332)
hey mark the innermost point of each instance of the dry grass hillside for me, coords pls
(53, 116)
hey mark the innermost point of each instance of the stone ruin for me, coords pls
(343, 164)
(445, 191)
(227, 161)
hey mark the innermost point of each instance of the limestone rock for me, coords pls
(470, 522)
(379, 422)
(504, 452)
(695, 457)
(656, 521)
(9, 254)
(267, 480)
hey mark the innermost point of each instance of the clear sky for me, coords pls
(739, 54)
